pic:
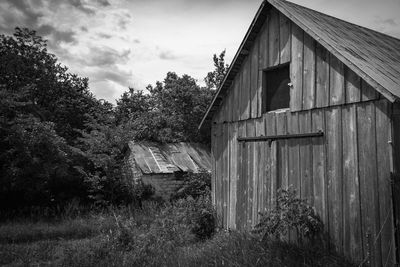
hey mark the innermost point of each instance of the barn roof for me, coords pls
(372, 55)
(154, 158)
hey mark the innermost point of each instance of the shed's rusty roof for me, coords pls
(372, 55)
(154, 158)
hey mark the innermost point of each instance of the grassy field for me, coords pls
(154, 236)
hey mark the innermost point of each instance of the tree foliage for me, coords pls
(43, 107)
(170, 112)
(215, 78)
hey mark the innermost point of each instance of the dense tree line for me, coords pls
(58, 142)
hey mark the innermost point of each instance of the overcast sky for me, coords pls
(121, 43)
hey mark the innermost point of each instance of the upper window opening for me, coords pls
(276, 90)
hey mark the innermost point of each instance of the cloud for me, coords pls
(105, 57)
(56, 36)
(104, 35)
(103, 3)
(18, 13)
(123, 19)
(116, 75)
(79, 5)
(107, 90)
(167, 55)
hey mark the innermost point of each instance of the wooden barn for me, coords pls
(312, 101)
(163, 165)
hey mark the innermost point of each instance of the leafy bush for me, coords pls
(203, 218)
(195, 185)
(290, 212)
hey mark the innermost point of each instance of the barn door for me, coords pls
(257, 181)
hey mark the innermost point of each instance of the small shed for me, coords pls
(312, 101)
(163, 165)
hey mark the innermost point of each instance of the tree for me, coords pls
(44, 109)
(52, 92)
(215, 78)
(132, 104)
(178, 106)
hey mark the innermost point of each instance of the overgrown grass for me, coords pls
(155, 236)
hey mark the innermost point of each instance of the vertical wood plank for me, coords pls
(334, 175)
(351, 196)
(259, 126)
(233, 173)
(218, 187)
(245, 90)
(353, 86)
(260, 96)
(240, 212)
(250, 128)
(273, 38)
(231, 108)
(224, 175)
(282, 156)
(336, 81)
(368, 92)
(236, 98)
(294, 152)
(294, 161)
(254, 80)
(306, 183)
(244, 177)
(274, 172)
(263, 46)
(309, 73)
(369, 188)
(383, 127)
(241, 101)
(322, 76)
(283, 164)
(296, 69)
(319, 167)
(260, 131)
(213, 163)
(270, 129)
(284, 38)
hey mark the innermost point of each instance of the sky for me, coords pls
(132, 43)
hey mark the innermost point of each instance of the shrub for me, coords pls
(203, 218)
(290, 212)
(195, 185)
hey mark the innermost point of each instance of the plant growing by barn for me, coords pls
(196, 185)
(290, 213)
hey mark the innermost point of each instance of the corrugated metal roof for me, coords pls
(372, 55)
(169, 158)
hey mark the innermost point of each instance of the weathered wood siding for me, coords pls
(345, 174)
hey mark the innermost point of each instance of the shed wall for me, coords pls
(164, 184)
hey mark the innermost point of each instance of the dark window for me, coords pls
(276, 90)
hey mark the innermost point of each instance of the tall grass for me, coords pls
(157, 235)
